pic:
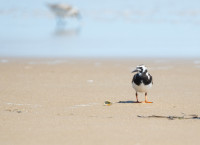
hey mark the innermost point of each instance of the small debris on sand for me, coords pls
(14, 110)
(107, 103)
(193, 116)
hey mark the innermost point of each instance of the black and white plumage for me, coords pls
(142, 81)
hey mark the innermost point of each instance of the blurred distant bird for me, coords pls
(63, 11)
(142, 81)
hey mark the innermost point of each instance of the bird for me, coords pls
(63, 11)
(142, 81)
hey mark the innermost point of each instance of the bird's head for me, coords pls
(140, 69)
(75, 13)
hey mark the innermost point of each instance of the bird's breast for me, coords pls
(142, 87)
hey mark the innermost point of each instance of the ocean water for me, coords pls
(128, 28)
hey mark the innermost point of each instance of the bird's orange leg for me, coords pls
(146, 99)
(136, 94)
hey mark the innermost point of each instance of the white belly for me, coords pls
(142, 87)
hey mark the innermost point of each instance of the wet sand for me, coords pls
(61, 101)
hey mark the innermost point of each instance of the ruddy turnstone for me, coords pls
(142, 81)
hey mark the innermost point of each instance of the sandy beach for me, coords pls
(61, 102)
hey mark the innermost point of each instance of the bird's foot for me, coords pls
(138, 102)
(147, 101)
(143, 102)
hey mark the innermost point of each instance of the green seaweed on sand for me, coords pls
(107, 103)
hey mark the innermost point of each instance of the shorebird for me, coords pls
(142, 81)
(63, 11)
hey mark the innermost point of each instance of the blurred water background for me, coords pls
(107, 28)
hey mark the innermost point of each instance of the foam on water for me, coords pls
(197, 62)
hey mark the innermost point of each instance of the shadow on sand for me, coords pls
(127, 102)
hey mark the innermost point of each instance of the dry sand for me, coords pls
(61, 102)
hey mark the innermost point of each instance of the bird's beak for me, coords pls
(135, 71)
